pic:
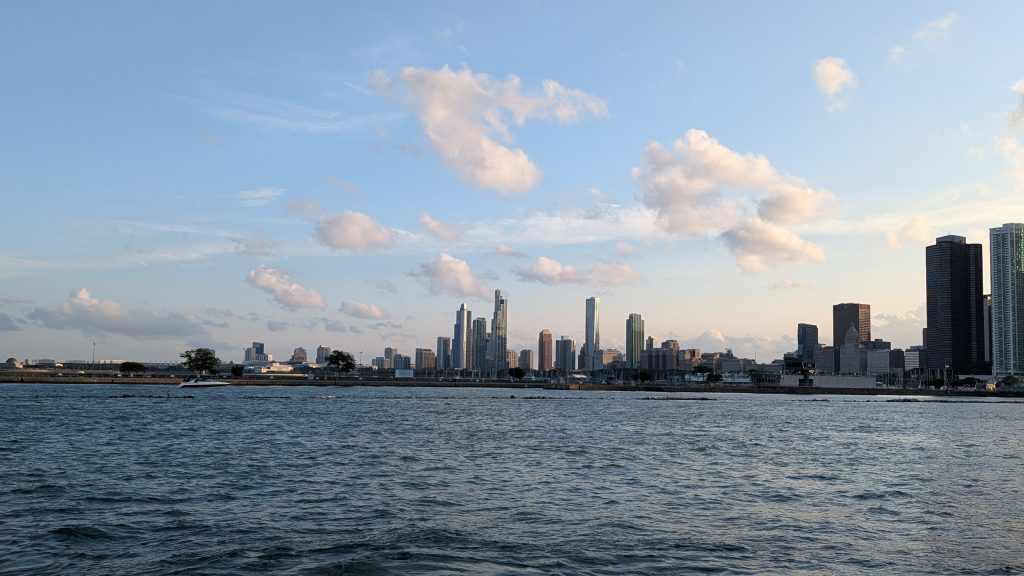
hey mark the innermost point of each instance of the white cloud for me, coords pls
(601, 223)
(439, 230)
(916, 228)
(465, 117)
(550, 271)
(756, 244)
(281, 288)
(763, 348)
(255, 245)
(449, 275)
(277, 325)
(508, 251)
(1012, 150)
(281, 116)
(360, 310)
(903, 330)
(258, 197)
(833, 76)
(353, 231)
(1016, 117)
(91, 316)
(688, 191)
(929, 32)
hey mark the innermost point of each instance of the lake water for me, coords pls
(157, 480)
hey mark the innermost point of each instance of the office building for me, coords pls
(634, 340)
(443, 354)
(480, 339)
(426, 359)
(565, 355)
(1006, 244)
(956, 307)
(526, 360)
(322, 353)
(462, 343)
(592, 335)
(497, 345)
(545, 348)
(298, 356)
(846, 315)
(806, 341)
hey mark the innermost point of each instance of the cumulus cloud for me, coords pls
(903, 330)
(383, 285)
(353, 231)
(688, 191)
(550, 271)
(833, 76)
(1016, 117)
(81, 311)
(330, 325)
(360, 310)
(282, 289)
(449, 275)
(466, 119)
(277, 325)
(929, 32)
(259, 196)
(916, 229)
(763, 348)
(439, 230)
(756, 243)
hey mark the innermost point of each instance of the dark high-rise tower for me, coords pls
(806, 341)
(843, 315)
(634, 340)
(956, 305)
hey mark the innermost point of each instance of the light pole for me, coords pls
(94, 352)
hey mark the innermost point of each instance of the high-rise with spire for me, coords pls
(462, 343)
(497, 346)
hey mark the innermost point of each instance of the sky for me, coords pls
(185, 174)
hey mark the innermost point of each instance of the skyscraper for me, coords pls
(544, 350)
(955, 305)
(843, 315)
(806, 341)
(565, 355)
(443, 358)
(1006, 244)
(480, 337)
(634, 340)
(462, 343)
(592, 338)
(322, 352)
(497, 346)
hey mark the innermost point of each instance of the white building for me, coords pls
(1006, 245)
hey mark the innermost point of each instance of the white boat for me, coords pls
(200, 382)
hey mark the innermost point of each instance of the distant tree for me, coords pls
(341, 361)
(200, 360)
(132, 367)
(713, 377)
(237, 370)
(517, 373)
(1009, 380)
(643, 376)
(701, 369)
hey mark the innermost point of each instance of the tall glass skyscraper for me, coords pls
(634, 340)
(806, 341)
(1006, 245)
(462, 344)
(497, 347)
(480, 339)
(592, 337)
(545, 346)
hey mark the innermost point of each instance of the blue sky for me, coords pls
(209, 174)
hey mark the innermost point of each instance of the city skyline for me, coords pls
(346, 176)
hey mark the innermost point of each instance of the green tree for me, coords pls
(701, 369)
(517, 373)
(643, 376)
(237, 370)
(1009, 380)
(132, 367)
(200, 360)
(714, 377)
(341, 361)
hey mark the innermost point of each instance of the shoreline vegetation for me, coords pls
(434, 383)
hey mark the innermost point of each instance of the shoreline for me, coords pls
(501, 384)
